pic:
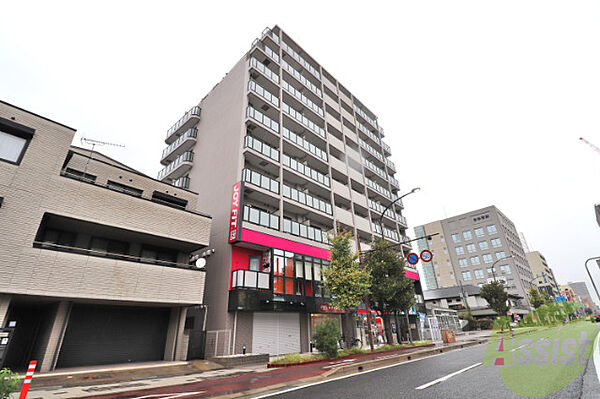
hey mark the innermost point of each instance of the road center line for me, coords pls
(447, 376)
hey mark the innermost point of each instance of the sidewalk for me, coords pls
(215, 382)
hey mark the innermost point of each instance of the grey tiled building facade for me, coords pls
(469, 244)
(303, 154)
(94, 256)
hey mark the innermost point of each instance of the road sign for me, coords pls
(412, 258)
(426, 255)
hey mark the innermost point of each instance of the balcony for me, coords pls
(307, 199)
(184, 143)
(386, 149)
(390, 165)
(307, 83)
(394, 182)
(262, 119)
(302, 98)
(402, 220)
(300, 60)
(262, 148)
(189, 120)
(259, 66)
(313, 127)
(369, 133)
(180, 166)
(249, 279)
(380, 172)
(381, 190)
(371, 150)
(301, 230)
(301, 142)
(305, 170)
(365, 116)
(260, 180)
(387, 233)
(263, 93)
(259, 217)
(182, 182)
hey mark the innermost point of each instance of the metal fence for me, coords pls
(218, 343)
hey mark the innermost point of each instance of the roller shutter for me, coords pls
(276, 333)
(98, 334)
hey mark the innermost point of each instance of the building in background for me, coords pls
(468, 245)
(94, 256)
(568, 293)
(580, 289)
(280, 152)
(543, 276)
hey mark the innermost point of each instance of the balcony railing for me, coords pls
(193, 113)
(376, 206)
(271, 53)
(369, 133)
(377, 187)
(310, 85)
(250, 279)
(306, 170)
(364, 115)
(260, 180)
(391, 234)
(301, 230)
(264, 70)
(260, 217)
(307, 199)
(190, 133)
(262, 118)
(259, 146)
(394, 182)
(263, 93)
(390, 165)
(185, 157)
(371, 150)
(386, 148)
(374, 168)
(300, 60)
(300, 96)
(303, 119)
(182, 182)
(402, 220)
(288, 134)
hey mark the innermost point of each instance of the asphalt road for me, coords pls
(480, 381)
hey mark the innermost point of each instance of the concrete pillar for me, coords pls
(56, 334)
(4, 304)
(304, 332)
(176, 347)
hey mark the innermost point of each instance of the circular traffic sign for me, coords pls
(426, 255)
(412, 258)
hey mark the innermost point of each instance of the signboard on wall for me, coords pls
(236, 215)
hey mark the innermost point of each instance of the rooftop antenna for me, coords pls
(94, 143)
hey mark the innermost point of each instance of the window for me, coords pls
(487, 258)
(463, 262)
(475, 260)
(479, 273)
(492, 229)
(452, 276)
(471, 248)
(496, 243)
(254, 263)
(467, 235)
(490, 269)
(460, 251)
(14, 139)
(483, 245)
(159, 254)
(103, 246)
(479, 232)
(113, 185)
(466, 276)
(456, 237)
(506, 269)
(500, 255)
(169, 200)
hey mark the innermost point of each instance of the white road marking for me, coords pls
(448, 376)
(597, 356)
(342, 363)
(352, 375)
(169, 395)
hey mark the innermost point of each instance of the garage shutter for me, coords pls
(276, 333)
(113, 334)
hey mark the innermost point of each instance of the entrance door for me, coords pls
(276, 333)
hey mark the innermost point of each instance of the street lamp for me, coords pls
(494, 264)
(414, 190)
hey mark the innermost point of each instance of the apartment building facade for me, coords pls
(281, 153)
(94, 256)
(475, 248)
(543, 276)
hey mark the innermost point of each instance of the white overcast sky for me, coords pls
(482, 102)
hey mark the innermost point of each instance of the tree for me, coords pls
(326, 336)
(496, 296)
(9, 382)
(536, 298)
(391, 290)
(344, 278)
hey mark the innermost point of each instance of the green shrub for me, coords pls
(485, 324)
(326, 337)
(350, 351)
(9, 382)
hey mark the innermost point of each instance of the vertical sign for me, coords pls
(235, 218)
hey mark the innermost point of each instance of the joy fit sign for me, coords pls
(235, 217)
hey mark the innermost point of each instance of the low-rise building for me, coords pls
(94, 256)
(543, 276)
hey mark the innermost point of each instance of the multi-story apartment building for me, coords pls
(476, 248)
(543, 276)
(94, 256)
(280, 153)
(580, 289)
